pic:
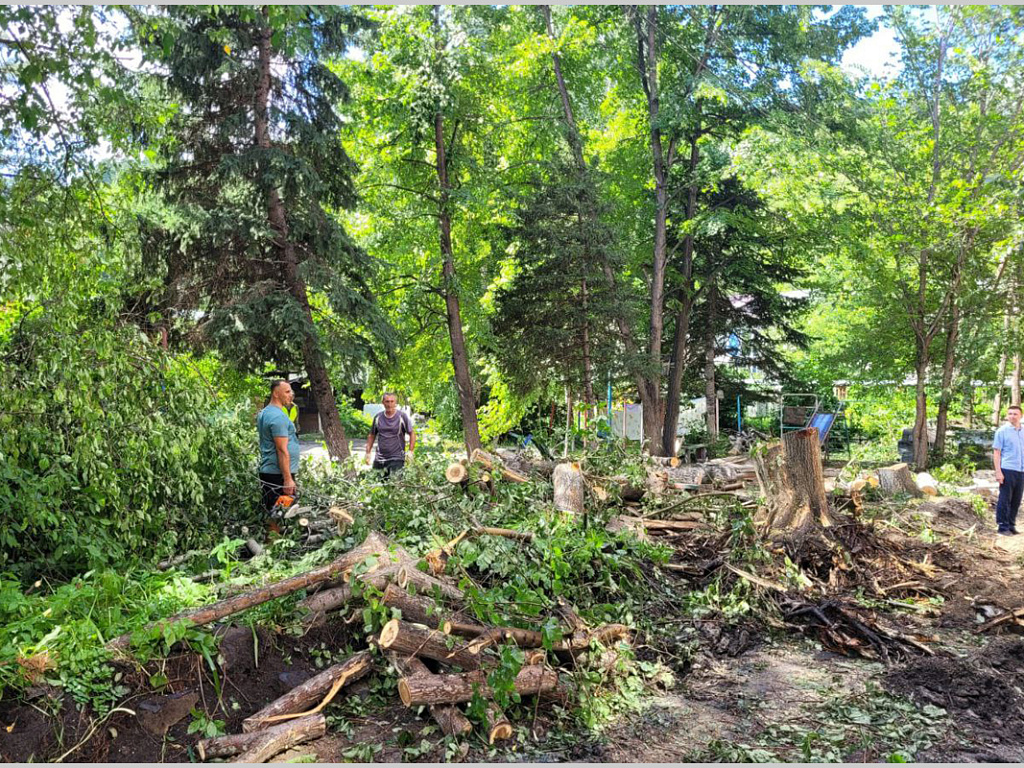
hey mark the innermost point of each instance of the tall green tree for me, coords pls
(251, 174)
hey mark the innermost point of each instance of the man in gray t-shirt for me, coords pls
(389, 430)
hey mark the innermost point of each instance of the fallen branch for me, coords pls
(494, 464)
(375, 544)
(417, 640)
(260, 746)
(998, 621)
(328, 682)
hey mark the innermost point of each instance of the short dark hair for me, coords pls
(275, 384)
(1015, 408)
(389, 394)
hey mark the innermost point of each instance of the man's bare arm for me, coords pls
(284, 462)
(997, 455)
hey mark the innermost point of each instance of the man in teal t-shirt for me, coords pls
(279, 446)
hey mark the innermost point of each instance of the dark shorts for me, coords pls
(270, 488)
(388, 466)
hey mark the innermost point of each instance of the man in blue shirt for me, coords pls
(1008, 457)
(279, 446)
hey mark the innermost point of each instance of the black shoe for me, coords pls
(1004, 533)
(1014, 531)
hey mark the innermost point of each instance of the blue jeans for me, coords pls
(1009, 499)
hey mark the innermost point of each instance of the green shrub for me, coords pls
(110, 448)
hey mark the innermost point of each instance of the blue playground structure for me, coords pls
(801, 410)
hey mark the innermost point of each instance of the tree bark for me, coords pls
(312, 691)
(419, 609)
(260, 746)
(498, 726)
(375, 544)
(452, 689)
(921, 412)
(997, 408)
(948, 369)
(710, 385)
(569, 488)
(588, 368)
(791, 478)
(313, 360)
(460, 359)
(681, 339)
(448, 717)
(416, 640)
(897, 479)
(1015, 381)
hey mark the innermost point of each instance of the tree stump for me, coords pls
(569, 487)
(793, 484)
(897, 479)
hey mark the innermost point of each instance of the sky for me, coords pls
(875, 54)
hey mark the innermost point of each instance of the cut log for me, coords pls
(485, 459)
(791, 479)
(409, 639)
(452, 689)
(857, 485)
(375, 544)
(447, 716)
(689, 475)
(530, 638)
(311, 692)
(456, 473)
(927, 485)
(665, 461)
(498, 726)
(326, 600)
(420, 609)
(897, 479)
(425, 584)
(260, 746)
(570, 487)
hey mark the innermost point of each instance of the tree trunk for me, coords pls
(260, 746)
(997, 408)
(969, 401)
(460, 359)
(319, 379)
(588, 370)
(1015, 381)
(710, 385)
(311, 692)
(792, 481)
(568, 420)
(452, 689)
(569, 487)
(448, 717)
(897, 479)
(416, 640)
(948, 366)
(681, 340)
(921, 414)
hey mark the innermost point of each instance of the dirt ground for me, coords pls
(745, 695)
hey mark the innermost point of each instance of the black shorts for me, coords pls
(388, 466)
(271, 487)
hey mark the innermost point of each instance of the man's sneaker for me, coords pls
(1004, 533)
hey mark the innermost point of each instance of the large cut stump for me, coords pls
(793, 483)
(897, 479)
(570, 487)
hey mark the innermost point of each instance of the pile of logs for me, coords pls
(442, 658)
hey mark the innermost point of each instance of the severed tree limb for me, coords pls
(260, 746)
(498, 726)
(451, 689)
(494, 464)
(606, 634)
(417, 640)
(448, 717)
(375, 544)
(329, 682)
(425, 583)
(420, 609)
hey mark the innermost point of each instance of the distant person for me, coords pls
(279, 446)
(1008, 457)
(389, 429)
